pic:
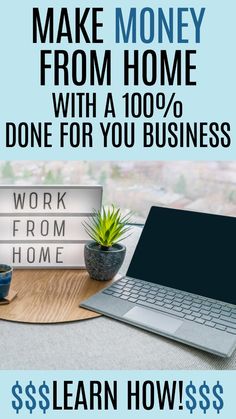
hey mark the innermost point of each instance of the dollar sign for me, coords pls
(30, 405)
(191, 389)
(202, 390)
(218, 389)
(44, 389)
(17, 405)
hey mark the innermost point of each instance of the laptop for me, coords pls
(180, 282)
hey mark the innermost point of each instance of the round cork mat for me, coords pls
(50, 296)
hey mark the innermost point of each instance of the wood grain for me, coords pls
(51, 296)
(7, 300)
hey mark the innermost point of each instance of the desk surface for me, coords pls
(99, 343)
(51, 296)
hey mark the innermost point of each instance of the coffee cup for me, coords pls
(5, 280)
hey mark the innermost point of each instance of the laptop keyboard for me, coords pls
(201, 310)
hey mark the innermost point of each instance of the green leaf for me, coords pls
(108, 226)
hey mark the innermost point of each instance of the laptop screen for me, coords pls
(189, 251)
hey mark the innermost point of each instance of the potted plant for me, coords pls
(105, 254)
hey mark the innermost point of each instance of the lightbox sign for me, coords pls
(42, 226)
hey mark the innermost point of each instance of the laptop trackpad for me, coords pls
(153, 319)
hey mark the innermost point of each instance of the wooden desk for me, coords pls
(50, 296)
